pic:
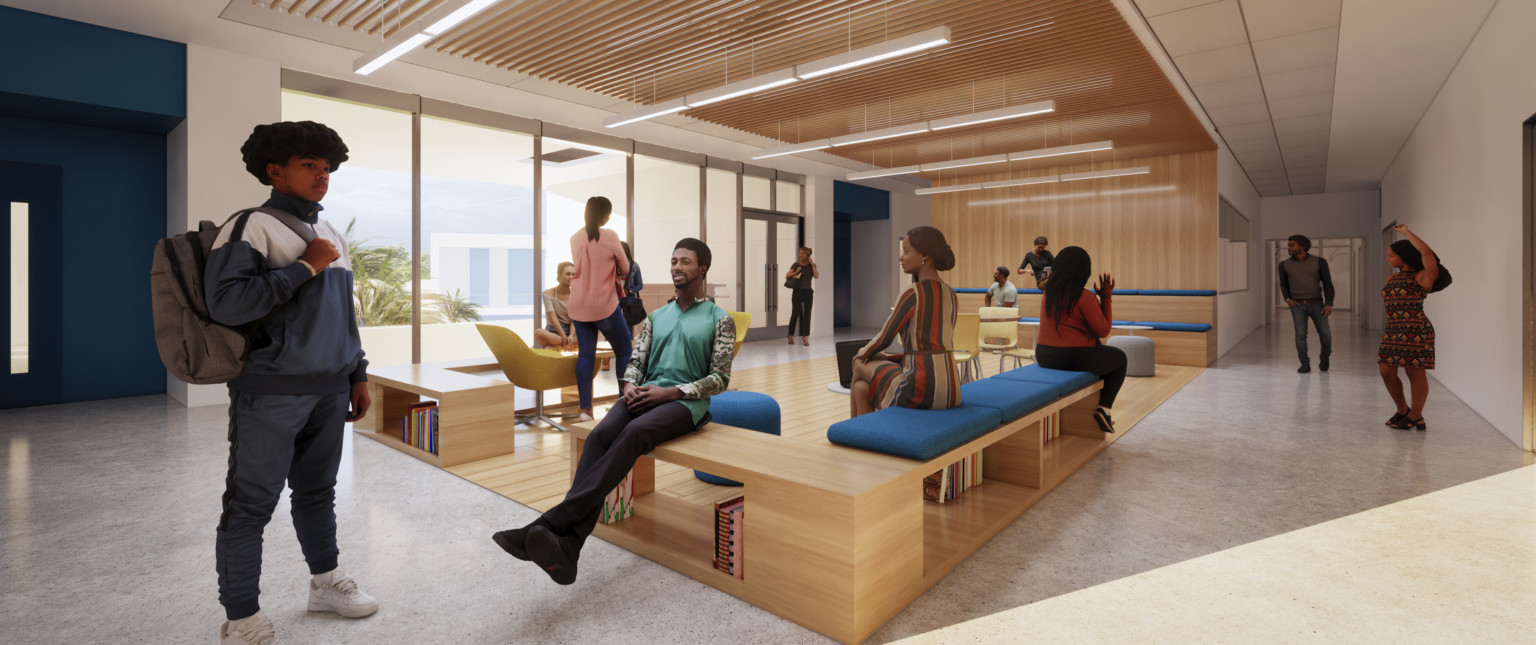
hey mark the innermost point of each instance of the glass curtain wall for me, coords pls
(721, 218)
(666, 210)
(574, 172)
(476, 236)
(370, 201)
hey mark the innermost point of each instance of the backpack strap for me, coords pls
(299, 227)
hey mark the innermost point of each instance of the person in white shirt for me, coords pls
(1002, 291)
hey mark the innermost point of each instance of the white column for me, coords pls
(228, 94)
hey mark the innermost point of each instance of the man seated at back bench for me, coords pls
(681, 358)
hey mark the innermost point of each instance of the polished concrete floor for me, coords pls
(110, 508)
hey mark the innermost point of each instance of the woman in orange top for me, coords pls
(924, 375)
(595, 289)
(1072, 321)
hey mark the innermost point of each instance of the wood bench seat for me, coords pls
(839, 539)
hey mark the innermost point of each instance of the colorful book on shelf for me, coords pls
(1050, 427)
(954, 479)
(620, 502)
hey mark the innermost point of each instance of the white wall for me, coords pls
(1239, 313)
(1353, 214)
(1457, 183)
(819, 236)
(227, 95)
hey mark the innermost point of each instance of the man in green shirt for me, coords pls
(681, 358)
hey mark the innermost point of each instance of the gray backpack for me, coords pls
(193, 347)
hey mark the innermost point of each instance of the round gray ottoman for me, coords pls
(1140, 354)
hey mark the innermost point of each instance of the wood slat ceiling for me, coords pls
(1079, 53)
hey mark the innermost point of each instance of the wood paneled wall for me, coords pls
(1152, 231)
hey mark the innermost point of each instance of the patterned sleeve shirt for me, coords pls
(690, 350)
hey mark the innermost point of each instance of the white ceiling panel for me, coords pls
(1266, 144)
(1151, 8)
(1238, 114)
(1315, 138)
(1257, 166)
(1295, 106)
(1304, 162)
(1217, 65)
(1235, 92)
(1297, 124)
(1296, 82)
(1301, 152)
(1274, 18)
(1201, 28)
(1236, 133)
(1308, 49)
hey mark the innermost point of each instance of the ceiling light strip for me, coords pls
(647, 112)
(1010, 112)
(862, 56)
(437, 21)
(792, 149)
(1112, 172)
(947, 189)
(892, 48)
(976, 161)
(883, 172)
(882, 133)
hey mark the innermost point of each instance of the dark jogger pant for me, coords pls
(276, 439)
(800, 311)
(610, 452)
(1108, 363)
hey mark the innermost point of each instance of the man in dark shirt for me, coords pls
(1307, 287)
(1038, 263)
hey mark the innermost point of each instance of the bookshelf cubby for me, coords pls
(475, 414)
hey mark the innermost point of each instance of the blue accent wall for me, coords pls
(856, 203)
(114, 212)
(62, 70)
(97, 102)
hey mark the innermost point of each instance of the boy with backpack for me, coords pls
(304, 374)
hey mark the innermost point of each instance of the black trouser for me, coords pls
(273, 439)
(610, 452)
(1107, 363)
(800, 311)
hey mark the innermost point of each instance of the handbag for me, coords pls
(633, 310)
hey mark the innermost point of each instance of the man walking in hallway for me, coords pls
(1307, 288)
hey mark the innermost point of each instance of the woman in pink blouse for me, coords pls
(595, 293)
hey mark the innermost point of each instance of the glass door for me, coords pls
(769, 244)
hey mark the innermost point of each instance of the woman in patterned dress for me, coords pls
(1409, 339)
(924, 375)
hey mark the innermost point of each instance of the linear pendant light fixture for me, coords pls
(432, 25)
(902, 46)
(977, 161)
(1027, 109)
(1030, 181)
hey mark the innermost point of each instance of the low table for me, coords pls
(475, 414)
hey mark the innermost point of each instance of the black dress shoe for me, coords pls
(514, 541)
(1304, 369)
(1323, 364)
(554, 554)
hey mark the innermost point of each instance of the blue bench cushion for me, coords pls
(1172, 326)
(1032, 291)
(1065, 382)
(750, 410)
(967, 290)
(1010, 397)
(1177, 292)
(915, 434)
(1123, 292)
(1029, 319)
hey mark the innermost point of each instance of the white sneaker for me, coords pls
(338, 592)
(255, 629)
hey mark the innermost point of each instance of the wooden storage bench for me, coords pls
(475, 414)
(839, 539)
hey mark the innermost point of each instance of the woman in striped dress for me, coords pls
(1409, 339)
(924, 374)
